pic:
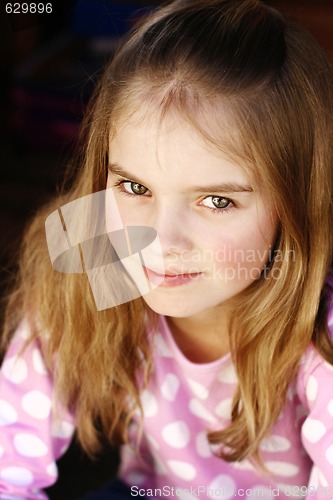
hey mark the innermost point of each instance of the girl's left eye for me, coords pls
(134, 188)
(217, 202)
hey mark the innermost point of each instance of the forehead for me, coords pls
(224, 122)
(161, 106)
(172, 149)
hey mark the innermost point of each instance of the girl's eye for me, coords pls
(134, 188)
(217, 202)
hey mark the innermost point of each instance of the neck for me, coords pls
(202, 338)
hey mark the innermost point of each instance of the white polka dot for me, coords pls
(176, 434)
(311, 388)
(1, 451)
(17, 476)
(282, 468)
(222, 486)
(228, 375)
(52, 470)
(8, 414)
(170, 387)
(199, 390)
(198, 409)
(330, 407)
(29, 445)
(259, 491)
(223, 409)
(149, 404)
(329, 454)
(15, 370)
(202, 445)
(183, 470)
(36, 404)
(38, 362)
(61, 429)
(161, 347)
(313, 430)
(275, 443)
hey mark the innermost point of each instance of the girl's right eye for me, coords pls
(133, 188)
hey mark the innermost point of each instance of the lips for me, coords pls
(172, 272)
(169, 279)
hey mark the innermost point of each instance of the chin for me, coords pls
(176, 309)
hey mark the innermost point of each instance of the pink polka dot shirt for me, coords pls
(182, 401)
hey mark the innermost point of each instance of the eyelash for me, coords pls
(217, 211)
(119, 185)
(220, 211)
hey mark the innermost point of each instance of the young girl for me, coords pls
(212, 129)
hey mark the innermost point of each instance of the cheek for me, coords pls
(245, 246)
(118, 212)
(113, 217)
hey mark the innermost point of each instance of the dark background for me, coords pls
(49, 65)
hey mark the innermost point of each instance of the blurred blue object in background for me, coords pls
(104, 18)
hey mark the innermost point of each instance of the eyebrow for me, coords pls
(226, 187)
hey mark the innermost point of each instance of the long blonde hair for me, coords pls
(218, 62)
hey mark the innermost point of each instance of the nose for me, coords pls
(172, 224)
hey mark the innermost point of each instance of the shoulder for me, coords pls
(315, 374)
(23, 365)
(315, 391)
(35, 428)
(314, 378)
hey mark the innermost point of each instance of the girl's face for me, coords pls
(216, 229)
